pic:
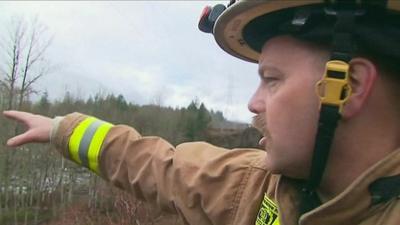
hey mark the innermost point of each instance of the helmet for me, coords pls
(242, 28)
(245, 25)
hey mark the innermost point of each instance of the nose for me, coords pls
(256, 104)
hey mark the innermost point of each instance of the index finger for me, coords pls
(17, 115)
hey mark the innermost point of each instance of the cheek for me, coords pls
(292, 116)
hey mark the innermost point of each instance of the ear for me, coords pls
(363, 74)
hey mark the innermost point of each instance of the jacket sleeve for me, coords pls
(204, 184)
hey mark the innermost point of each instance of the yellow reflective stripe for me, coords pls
(268, 213)
(86, 141)
(76, 137)
(95, 146)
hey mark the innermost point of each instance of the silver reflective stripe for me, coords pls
(86, 140)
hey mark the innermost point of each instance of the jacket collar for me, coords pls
(348, 207)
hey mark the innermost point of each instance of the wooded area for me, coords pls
(38, 186)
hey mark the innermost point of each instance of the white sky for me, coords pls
(144, 50)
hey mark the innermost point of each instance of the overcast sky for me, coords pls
(143, 50)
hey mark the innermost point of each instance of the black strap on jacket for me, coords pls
(384, 189)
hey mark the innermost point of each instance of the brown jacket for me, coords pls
(205, 184)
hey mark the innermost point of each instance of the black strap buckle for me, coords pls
(384, 189)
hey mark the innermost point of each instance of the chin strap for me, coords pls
(333, 90)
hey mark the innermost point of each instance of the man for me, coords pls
(326, 103)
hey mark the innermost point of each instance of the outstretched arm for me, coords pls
(204, 184)
(38, 128)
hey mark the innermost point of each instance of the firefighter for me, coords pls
(327, 104)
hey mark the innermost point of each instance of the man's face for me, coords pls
(287, 105)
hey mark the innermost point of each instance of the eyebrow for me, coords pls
(264, 67)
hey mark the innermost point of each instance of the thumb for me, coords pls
(21, 139)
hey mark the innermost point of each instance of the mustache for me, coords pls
(260, 124)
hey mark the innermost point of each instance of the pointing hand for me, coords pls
(38, 128)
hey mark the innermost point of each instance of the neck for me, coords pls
(358, 144)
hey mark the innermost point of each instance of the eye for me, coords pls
(270, 80)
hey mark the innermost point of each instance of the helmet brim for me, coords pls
(230, 26)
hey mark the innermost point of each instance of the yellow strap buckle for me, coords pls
(334, 89)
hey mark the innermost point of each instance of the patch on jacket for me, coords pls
(268, 213)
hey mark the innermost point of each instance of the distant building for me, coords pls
(232, 134)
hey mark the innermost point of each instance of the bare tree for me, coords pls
(37, 46)
(24, 62)
(13, 50)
